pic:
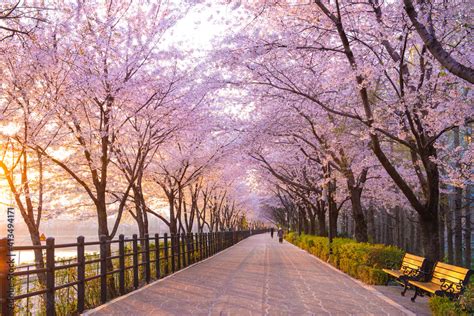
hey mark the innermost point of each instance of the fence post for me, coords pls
(183, 249)
(81, 274)
(189, 237)
(205, 244)
(178, 247)
(173, 254)
(210, 243)
(191, 249)
(202, 249)
(197, 257)
(157, 256)
(222, 241)
(103, 269)
(210, 240)
(147, 258)
(178, 252)
(135, 261)
(4, 282)
(50, 306)
(122, 264)
(167, 269)
(214, 238)
(201, 246)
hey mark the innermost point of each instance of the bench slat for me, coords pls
(413, 258)
(452, 268)
(427, 286)
(413, 266)
(438, 277)
(415, 263)
(440, 273)
(394, 273)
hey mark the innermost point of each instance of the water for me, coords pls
(27, 256)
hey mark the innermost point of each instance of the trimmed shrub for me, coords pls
(363, 261)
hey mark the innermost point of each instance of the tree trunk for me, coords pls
(312, 221)
(103, 229)
(39, 260)
(321, 215)
(173, 224)
(430, 237)
(360, 222)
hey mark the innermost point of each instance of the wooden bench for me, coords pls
(446, 280)
(412, 268)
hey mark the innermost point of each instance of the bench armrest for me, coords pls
(411, 272)
(451, 287)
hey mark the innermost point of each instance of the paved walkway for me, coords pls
(258, 276)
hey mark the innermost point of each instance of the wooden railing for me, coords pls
(134, 262)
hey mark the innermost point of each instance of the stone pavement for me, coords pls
(258, 276)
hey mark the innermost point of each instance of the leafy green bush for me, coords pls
(363, 261)
(466, 301)
(443, 306)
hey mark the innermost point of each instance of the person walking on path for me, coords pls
(272, 230)
(280, 235)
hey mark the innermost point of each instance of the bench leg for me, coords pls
(416, 294)
(405, 287)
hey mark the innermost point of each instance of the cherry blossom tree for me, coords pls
(395, 93)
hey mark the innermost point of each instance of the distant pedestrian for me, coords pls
(280, 235)
(272, 230)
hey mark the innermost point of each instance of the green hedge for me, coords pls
(362, 261)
